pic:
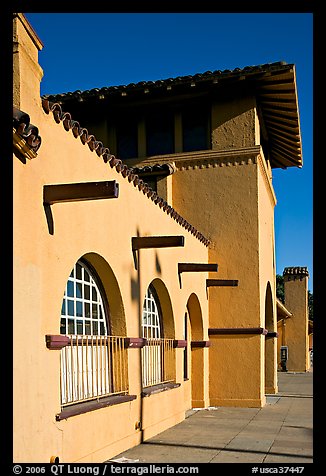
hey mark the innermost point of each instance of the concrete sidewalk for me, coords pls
(280, 432)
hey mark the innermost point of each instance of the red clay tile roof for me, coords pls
(26, 130)
(273, 83)
(126, 172)
(155, 170)
(207, 77)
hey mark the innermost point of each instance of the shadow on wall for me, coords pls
(111, 291)
(135, 283)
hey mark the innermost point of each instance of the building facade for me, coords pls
(144, 254)
(295, 329)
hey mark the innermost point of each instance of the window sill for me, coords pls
(85, 407)
(162, 387)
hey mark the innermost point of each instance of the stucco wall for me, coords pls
(100, 231)
(228, 194)
(296, 333)
(27, 73)
(224, 204)
(267, 270)
(235, 122)
(225, 195)
(42, 265)
(222, 201)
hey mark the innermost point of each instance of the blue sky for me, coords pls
(93, 50)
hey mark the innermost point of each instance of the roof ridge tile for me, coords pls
(24, 128)
(162, 82)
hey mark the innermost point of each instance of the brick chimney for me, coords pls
(296, 301)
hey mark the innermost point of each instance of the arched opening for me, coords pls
(94, 363)
(111, 291)
(270, 343)
(165, 303)
(196, 318)
(195, 356)
(157, 327)
(84, 308)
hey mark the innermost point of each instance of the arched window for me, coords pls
(94, 364)
(158, 353)
(83, 311)
(151, 323)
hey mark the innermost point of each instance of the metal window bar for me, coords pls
(93, 367)
(158, 362)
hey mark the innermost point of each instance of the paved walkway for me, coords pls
(280, 432)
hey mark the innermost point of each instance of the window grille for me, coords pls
(158, 354)
(93, 367)
(94, 364)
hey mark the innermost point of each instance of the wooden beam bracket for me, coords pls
(179, 343)
(56, 342)
(271, 334)
(196, 267)
(135, 342)
(215, 331)
(76, 192)
(221, 282)
(145, 242)
(200, 344)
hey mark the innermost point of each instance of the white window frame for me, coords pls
(83, 312)
(94, 364)
(151, 319)
(158, 357)
(151, 330)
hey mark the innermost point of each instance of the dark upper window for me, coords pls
(127, 140)
(195, 129)
(160, 134)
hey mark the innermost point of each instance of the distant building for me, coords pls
(144, 254)
(295, 330)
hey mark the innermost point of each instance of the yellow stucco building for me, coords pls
(144, 254)
(295, 329)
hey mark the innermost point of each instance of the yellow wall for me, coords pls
(234, 205)
(235, 187)
(101, 230)
(225, 193)
(293, 323)
(267, 271)
(26, 70)
(231, 115)
(41, 268)
(281, 340)
(296, 299)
